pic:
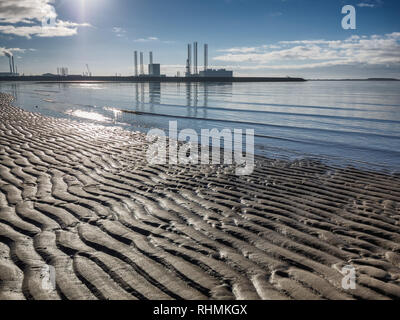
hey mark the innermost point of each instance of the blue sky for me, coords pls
(258, 38)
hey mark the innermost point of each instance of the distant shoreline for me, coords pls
(148, 79)
(369, 79)
(74, 78)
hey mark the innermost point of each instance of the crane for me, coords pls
(89, 73)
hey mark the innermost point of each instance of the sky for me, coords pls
(251, 37)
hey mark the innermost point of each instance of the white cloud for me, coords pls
(60, 29)
(148, 39)
(301, 54)
(154, 39)
(31, 13)
(119, 31)
(365, 5)
(240, 50)
(25, 11)
(13, 50)
(370, 4)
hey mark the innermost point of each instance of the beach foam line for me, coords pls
(81, 199)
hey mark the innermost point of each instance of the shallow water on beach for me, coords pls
(337, 121)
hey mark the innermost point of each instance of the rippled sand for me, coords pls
(82, 199)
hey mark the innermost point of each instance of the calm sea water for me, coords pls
(340, 122)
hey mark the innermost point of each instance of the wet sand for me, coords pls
(82, 198)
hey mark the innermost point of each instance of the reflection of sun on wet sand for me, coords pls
(81, 199)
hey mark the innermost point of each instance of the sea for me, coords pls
(343, 123)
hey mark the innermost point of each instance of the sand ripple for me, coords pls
(82, 199)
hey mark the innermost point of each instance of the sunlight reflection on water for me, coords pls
(88, 115)
(351, 120)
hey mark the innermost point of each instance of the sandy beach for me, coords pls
(82, 199)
